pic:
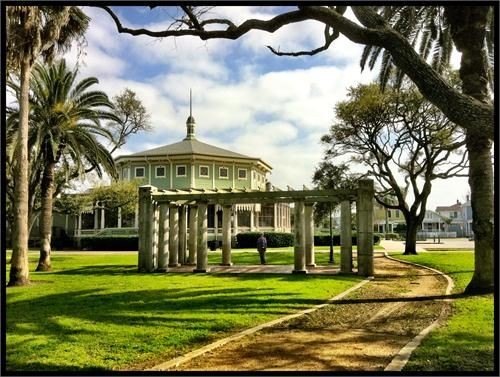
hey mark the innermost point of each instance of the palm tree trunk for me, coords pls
(45, 228)
(468, 31)
(481, 185)
(19, 270)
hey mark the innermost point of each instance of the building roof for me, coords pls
(191, 146)
(454, 207)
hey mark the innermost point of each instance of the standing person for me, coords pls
(261, 248)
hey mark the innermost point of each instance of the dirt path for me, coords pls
(363, 332)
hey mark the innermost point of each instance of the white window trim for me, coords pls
(227, 169)
(143, 169)
(246, 174)
(199, 171)
(177, 170)
(164, 169)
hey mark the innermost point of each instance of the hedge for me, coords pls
(274, 239)
(110, 243)
(324, 240)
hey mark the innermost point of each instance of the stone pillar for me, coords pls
(364, 212)
(163, 236)
(96, 218)
(216, 226)
(252, 222)
(136, 218)
(173, 242)
(119, 217)
(182, 234)
(309, 235)
(299, 245)
(103, 218)
(152, 255)
(226, 235)
(275, 217)
(345, 237)
(202, 255)
(235, 221)
(193, 234)
(79, 231)
(144, 225)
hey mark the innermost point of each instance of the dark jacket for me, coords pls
(261, 243)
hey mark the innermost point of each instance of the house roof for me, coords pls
(454, 207)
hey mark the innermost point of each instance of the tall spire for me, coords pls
(190, 123)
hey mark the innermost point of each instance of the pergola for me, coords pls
(163, 228)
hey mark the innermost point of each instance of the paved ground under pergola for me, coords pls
(257, 269)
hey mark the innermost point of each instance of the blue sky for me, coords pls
(244, 98)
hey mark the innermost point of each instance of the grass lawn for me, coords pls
(96, 312)
(465, 342)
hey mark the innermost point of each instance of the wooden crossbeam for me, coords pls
(234, 197)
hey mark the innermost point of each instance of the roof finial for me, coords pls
(190, 123)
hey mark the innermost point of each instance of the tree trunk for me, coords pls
(481, 185)
(19, 270)
(45, 228)
(411, 237)
(468, 31)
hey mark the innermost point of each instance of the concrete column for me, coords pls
(96, 218)
(364, 212)
(182, 234)
(152, 256)
(235, 221)
(216, 224)
(226, 235)
(309, 235)
(173, 241)
(119, 225)
(79, 231)
(299, 245)
(345, 237)
(136, 218)
(275, 217)
(202, 256)
(144, 226)
(103, 218)
(163, 233)
(252, 222)
(193, 234)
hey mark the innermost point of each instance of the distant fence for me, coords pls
(437, 234)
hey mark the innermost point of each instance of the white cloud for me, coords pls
(278, 116)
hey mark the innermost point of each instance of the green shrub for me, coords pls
(274, 239)
(110, 243)
(390, 236)
(322, 240)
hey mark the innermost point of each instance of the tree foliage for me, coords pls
(404, 142)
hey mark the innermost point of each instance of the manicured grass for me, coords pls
(96, 312)
(465, 343)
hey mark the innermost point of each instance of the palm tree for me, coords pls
(64, 125)
(32, 32)
(471, 30)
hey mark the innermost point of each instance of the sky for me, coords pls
(245, 98)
